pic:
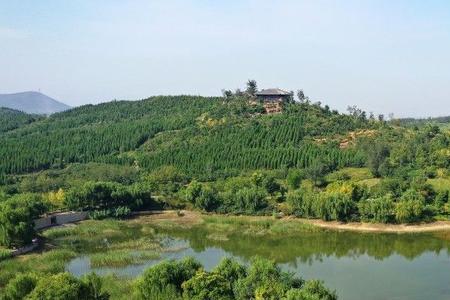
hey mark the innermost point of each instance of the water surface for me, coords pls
(357, 265)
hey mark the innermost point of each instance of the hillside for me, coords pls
(12, 119)
(225, 155)
(32, 102)
(200, 136)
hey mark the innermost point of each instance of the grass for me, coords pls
(255, 226)
(440, 184)
(4, 254)
(110, 242)
(120, 258)
(50, 262)
(371, 182)
(355, 174)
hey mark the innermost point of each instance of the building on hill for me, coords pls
(273, 99)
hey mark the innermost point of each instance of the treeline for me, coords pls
(184, 279)
(100, 199)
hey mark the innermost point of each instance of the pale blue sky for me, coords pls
(384, 56)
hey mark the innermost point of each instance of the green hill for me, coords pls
(195, 134)
(226, 155)
(12, 119)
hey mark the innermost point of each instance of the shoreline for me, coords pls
(194, 217)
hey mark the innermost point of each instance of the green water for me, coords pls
(357, 265)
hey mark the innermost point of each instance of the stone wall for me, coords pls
(59, 219)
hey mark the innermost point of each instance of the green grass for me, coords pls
(371, 182)
(50, 262)
(440, 184)
(258, 226)
(4, 253)
(355, 174)
(120, 258)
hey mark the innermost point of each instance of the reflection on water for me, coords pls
(357, 265)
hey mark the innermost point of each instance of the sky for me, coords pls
(385, 56)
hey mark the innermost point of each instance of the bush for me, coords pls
(64, 286)
(294, 178)
(207, 286)
(409, 211)
(299, 204)
(377, 209)
(168, 274)
(248, 200)
(335, 206)
(20, 286)
(311, 290)
(265, 279)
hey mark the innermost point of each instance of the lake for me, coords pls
(357, 265)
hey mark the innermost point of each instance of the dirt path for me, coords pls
(371, 227)
(189, 218)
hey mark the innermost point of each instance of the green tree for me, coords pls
(376, 160)
(17, 216)
(252, 88)
(294, 178)
(311, 290)
(63, 286)
(167, 274)
(207, 286)
(230, 270)
(316, 172)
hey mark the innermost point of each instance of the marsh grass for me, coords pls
(49, 262)
(255, 226)
(120, 258)
(4, 254)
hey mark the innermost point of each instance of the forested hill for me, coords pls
(201, 136)
(12, 119)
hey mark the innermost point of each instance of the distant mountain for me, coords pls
(32, 102)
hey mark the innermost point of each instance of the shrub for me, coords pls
(207, 286)
(20, 286)
(64, 286)
(409, 211)
(379, 209)
(294, 178)
(168, 274)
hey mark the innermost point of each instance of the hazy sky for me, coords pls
(384, 56)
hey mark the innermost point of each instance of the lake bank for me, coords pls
(189, 218)
(383, 264)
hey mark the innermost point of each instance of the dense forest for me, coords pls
(13, 119)
(224, 155)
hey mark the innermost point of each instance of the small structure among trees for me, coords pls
(273, 99)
